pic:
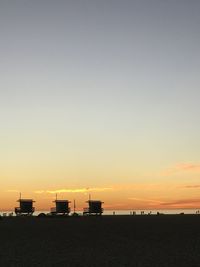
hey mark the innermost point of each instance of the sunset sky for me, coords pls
(101, 98)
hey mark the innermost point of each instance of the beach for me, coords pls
(164, 240)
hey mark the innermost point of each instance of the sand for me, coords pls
(139, 241)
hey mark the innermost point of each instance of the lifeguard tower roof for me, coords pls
(25, 200)
(61, 200)
(95, 201)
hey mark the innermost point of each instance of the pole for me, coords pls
(74, 206)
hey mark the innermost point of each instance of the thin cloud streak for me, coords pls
(183, 167)
(76, 190)
(191, 186)
(116, 187)
(182, 202)
(12, 191)
(145, 200)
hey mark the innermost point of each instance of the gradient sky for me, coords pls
(100, 97)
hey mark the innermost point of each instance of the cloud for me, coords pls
(183, 167)
(191, 186)
(12, 191)
(75, 190)
(39, 191)
(182, 202)
(145, 200)
(115, 206)
(114, 188)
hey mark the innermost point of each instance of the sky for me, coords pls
(101, 98)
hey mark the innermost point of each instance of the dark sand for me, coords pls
(165, 240)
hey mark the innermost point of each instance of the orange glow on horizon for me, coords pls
(115, 197)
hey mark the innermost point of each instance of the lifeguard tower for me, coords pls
(94, 208)
(61, 207)
(25, 207)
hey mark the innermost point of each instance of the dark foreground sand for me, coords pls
(165, 240)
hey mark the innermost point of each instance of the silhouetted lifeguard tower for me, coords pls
(25, 207)
(94, 207)
(61, 207)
